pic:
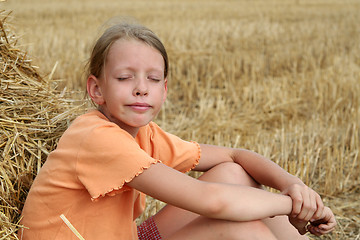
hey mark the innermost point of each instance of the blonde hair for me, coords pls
(123, 30)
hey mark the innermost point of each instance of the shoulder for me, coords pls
(95, 123)
(169, 148)
(91, 119)
(153, 134)
(91, 129)
(149, 132)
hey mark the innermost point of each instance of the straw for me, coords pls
(33, 115)
(277, 77)
(72, 228)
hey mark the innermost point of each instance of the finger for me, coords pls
(319, 208)
(327, 226)
(312, 206)
(323, 231)
(313, 230)
(297, 204)
(323, 224)
(318, 230)
(329, 219)
(306, 205)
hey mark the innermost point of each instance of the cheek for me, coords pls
(114, 98)
(118, 91)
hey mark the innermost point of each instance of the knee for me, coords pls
(233, 173)
(232, 169)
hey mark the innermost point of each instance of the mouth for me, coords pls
(139, 106)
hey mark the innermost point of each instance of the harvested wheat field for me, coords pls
(279, 77)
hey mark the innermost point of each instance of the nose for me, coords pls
(141, 87)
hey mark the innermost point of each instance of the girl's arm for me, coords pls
(307, 204)
(213, 200)
(216, 200)
(263, 170)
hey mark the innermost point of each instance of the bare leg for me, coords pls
(213, 229)
(175, 223)
(282, 229)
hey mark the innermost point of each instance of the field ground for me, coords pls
(279, 77)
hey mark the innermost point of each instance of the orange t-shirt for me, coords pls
(85, 179)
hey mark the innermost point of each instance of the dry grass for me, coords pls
(32, 118)
(278, 77)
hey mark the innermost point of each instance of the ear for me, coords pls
(166, 89)
(94, 90)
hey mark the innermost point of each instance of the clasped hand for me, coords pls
(308, 211)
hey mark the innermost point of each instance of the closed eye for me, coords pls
(123, 78)
(154, 78)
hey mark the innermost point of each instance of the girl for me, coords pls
(109, 158)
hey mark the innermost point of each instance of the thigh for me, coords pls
(282, 229)
(214, 229)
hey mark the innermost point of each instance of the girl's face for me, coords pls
(133, 88)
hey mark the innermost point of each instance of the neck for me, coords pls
(133, 131)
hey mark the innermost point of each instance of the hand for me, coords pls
(324, 224)
(307, 204)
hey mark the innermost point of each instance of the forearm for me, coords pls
(210, 199)
(263, 170)
(241, 203)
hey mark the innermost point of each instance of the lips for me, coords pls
(139, 106)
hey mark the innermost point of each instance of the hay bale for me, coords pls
(33, 115)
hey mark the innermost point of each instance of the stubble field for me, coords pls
(278, 77)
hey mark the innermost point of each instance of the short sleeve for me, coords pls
(108, 158)
(171, 150)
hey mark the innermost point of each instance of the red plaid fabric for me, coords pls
(148, 230)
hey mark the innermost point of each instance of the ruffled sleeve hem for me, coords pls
(120, 188)
(197, 158)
